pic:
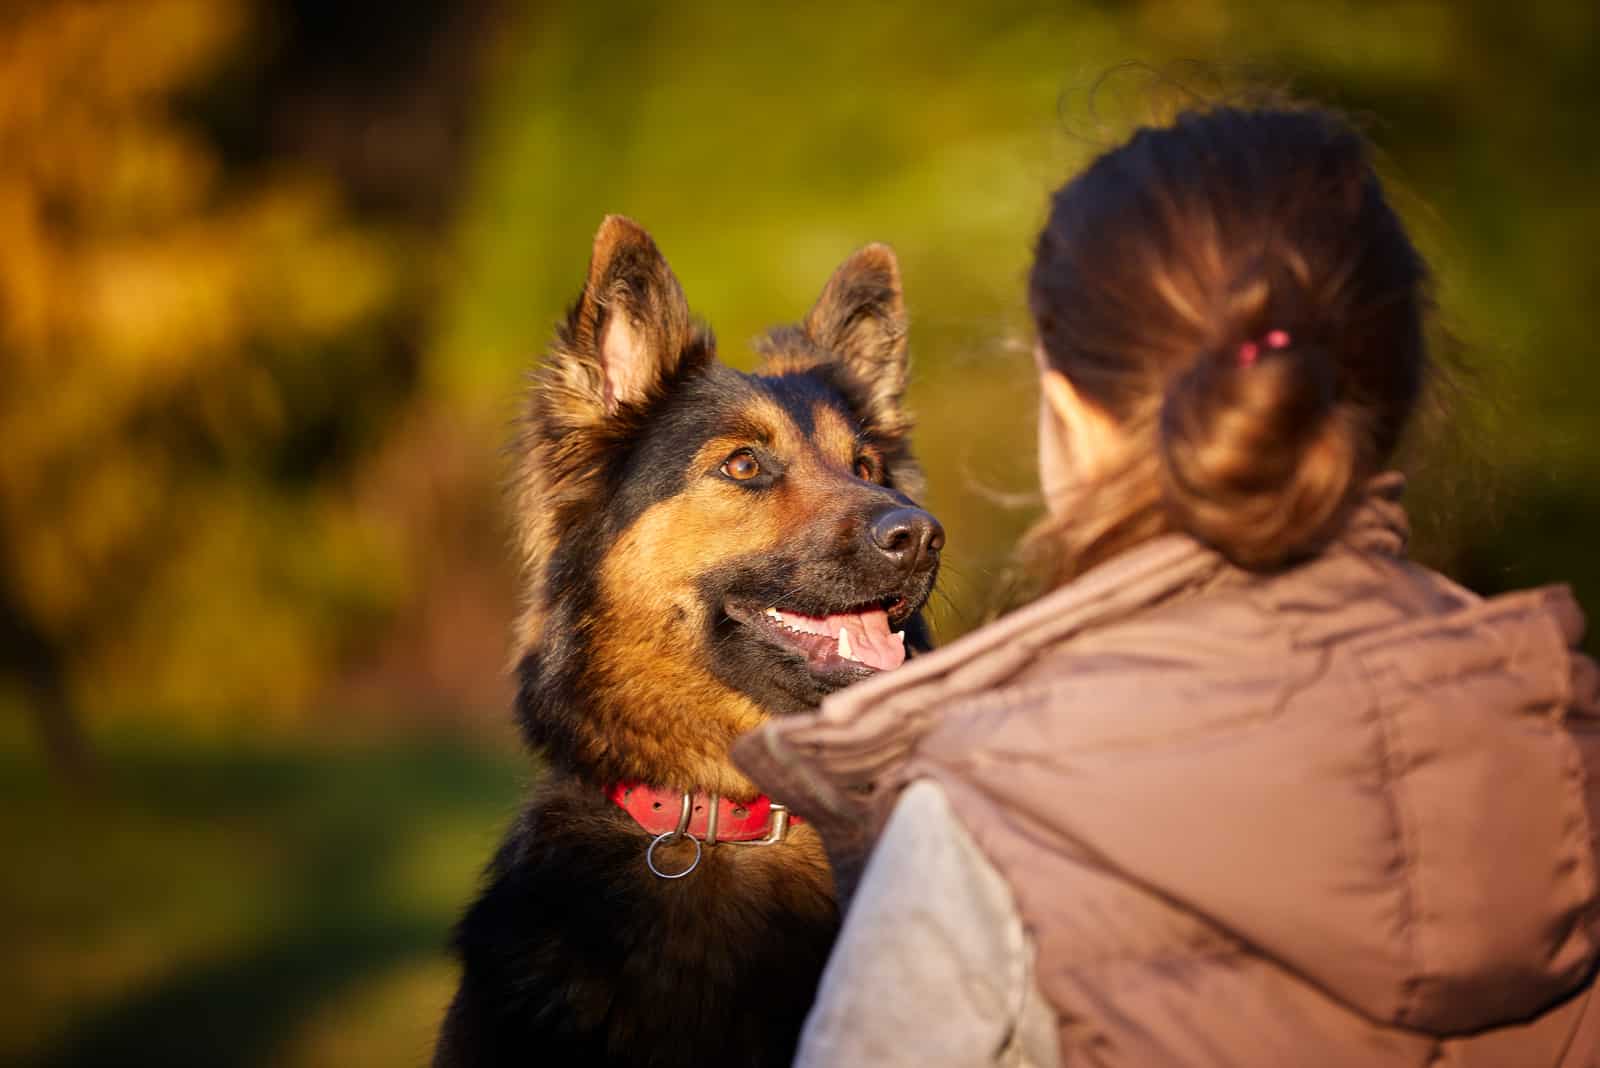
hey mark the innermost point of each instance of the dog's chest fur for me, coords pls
(582, 957)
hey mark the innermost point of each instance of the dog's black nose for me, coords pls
(908, 536)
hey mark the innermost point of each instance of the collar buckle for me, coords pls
(777, 827)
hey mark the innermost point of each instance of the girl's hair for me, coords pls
(1234, 291)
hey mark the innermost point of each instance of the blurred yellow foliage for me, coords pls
(148, 299)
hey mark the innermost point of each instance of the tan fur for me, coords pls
(833, 436)
(674, 720)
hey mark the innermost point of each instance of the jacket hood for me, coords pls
(1356, 769)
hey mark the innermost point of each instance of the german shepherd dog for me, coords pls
(702, 548)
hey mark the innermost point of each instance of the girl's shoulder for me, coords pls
(1348, 631)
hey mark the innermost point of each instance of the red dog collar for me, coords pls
(662, 812)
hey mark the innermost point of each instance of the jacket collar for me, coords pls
(1379, 523)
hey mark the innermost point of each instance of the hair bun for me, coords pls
(1257, 458)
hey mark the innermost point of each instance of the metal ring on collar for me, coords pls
(650, 858)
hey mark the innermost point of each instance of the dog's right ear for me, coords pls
(631, 329)
(860, 319)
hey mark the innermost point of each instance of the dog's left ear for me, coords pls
(861, 319)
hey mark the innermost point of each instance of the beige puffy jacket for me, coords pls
(1340, 815)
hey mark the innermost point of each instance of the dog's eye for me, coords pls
(741, 466)
(865, 470)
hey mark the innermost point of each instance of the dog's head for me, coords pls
(703, 547)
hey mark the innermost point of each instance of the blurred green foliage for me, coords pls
(245, 903)
(761, 145)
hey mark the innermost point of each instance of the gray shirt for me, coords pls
(934, 934)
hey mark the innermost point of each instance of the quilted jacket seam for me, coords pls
(1390, 741)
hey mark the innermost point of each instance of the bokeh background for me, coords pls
(271, 272)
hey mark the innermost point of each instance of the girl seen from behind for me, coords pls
(1247, 787)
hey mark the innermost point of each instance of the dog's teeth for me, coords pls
(844, 645)
(775, 614)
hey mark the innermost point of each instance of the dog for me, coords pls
(702, 548)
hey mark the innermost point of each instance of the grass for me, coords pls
(241, 903)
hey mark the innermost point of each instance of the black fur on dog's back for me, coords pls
(638, 661)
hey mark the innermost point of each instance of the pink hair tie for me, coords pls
(1274, 339)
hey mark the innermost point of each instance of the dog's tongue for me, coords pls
(864, 637)
(867, 638)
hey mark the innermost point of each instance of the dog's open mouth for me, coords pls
(861, 639)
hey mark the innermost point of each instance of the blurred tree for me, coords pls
(189, 357)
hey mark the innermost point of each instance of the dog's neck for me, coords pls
(671, 732)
